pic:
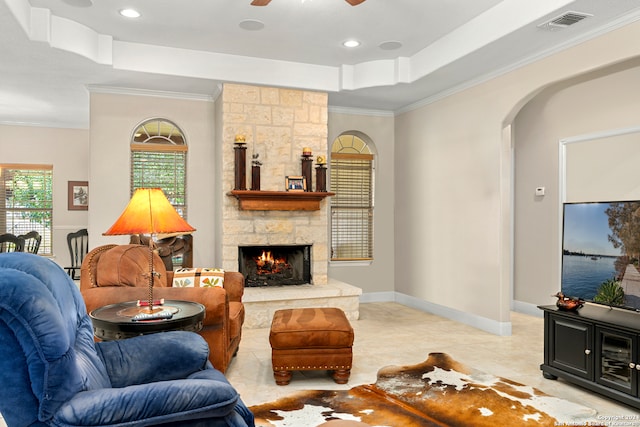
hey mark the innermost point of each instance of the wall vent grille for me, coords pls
(565, 20)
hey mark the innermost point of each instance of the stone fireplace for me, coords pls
(277, 124)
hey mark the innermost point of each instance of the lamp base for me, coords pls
(132, 311)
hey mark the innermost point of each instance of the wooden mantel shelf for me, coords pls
(279, 200)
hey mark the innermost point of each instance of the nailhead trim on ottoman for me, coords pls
(305, 339)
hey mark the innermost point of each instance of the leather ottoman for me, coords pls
(306, 339)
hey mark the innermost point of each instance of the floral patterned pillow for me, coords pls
(198, 277)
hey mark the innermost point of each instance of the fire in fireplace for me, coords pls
(275, 265)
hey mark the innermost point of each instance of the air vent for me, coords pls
(565, 20)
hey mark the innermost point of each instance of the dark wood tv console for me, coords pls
(596, 347)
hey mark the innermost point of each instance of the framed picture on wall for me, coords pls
(78, 196)
(296, 183)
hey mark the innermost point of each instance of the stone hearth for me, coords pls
(261, 303)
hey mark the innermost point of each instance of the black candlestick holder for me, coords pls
(306, 170)
(255, 173)
(321, 178)
(241, 166)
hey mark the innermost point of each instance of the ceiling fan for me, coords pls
(266, 2)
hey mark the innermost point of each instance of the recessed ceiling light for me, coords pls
(390, 45)
(351, 43)
(251, 25)
(129, 13)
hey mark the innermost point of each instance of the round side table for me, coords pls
(114, 322)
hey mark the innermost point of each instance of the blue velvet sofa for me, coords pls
(54, 374)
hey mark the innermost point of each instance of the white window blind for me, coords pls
(26, 204)
(165, 170)
(351, 180)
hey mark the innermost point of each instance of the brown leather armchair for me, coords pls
(117, 273)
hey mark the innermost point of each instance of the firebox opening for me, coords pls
(275, 265)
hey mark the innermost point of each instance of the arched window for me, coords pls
(351, 179)
(159, 160)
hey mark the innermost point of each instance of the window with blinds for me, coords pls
(26, 203)
(159, 160)
(351, 177)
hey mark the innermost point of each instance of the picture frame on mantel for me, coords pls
(78, 196)
(296, 183)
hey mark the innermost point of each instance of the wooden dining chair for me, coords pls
(78, 243)
(11, 243)
(32, 241)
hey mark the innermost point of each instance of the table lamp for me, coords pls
(149, 212)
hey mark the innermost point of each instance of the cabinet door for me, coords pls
(571, 345)
(615, 364)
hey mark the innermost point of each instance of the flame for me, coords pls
(266, 257)
(267, 263)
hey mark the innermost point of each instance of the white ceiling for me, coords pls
(55, 51)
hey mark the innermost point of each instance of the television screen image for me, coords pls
(600, 248)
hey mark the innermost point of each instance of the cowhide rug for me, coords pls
(437, 392)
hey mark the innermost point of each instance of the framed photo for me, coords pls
(296, 183)
(78, 196)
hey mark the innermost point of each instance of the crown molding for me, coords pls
(114, 90)
(360, 111)
(65, 125)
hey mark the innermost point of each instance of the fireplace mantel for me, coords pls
(279, 200)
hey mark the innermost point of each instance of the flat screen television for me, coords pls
(600, 248)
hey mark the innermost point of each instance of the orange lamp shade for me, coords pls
(149, 212)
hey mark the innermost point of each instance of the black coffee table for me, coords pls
(115, 321)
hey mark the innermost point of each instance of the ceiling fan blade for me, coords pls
(355, 2)
(260, 2)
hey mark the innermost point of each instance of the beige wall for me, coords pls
(113, 119)
(378, 275)
(604, 168)
(67, 151)
(453, 184)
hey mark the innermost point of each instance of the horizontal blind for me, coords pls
(150, 146)
(26, 201)
(352, 207)
(161, 169)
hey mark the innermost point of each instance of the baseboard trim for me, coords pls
(527, 308)
(378, 297)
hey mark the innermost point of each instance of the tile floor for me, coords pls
(392, 334)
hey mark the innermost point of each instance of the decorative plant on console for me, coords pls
(610, 293)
